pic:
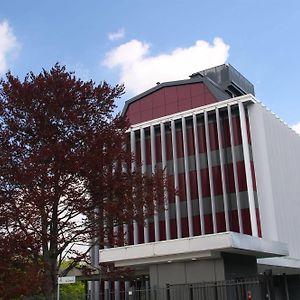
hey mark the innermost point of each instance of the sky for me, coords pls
(139, 43)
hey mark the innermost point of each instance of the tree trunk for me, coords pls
(50, 281)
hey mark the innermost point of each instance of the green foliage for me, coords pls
(72, 291)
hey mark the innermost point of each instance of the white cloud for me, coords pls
(113, 36)
(8, 42)
(140, 71)
(296, 127)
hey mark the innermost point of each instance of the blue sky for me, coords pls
(141, 42)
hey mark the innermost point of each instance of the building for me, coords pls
(236, 166)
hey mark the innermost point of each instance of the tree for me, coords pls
(18, 262)
(64, 167)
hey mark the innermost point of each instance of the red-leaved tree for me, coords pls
(65, 175)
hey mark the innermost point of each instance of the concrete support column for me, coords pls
(235, 173)
(247, 161)
(223, 177)
(164, 167)
(198, 172)
(210, 173)
(144, 167)
(187, 177)
(133, 167)
(176, 179)
(153, 169)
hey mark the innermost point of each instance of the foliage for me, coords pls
(17, 265)
(72, 291)
(65, 175)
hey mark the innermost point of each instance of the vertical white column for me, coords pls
(95, 285)
(133, 167)
(198, 172)
(153, 166)
(116, 283)
(223, 177)
(117, 290)
(176, 179)
(235, 173)
(210, 174)
(125, 226)
(106, 290)
(144, 168)
(164, 167)
(187, 177)
(248, 170)
(127, 286)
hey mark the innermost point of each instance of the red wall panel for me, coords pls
(169, 100)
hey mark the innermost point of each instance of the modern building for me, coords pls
(236, 166)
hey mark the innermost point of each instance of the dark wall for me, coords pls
(237, 266)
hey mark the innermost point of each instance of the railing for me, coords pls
(244, 289)
(220, 290)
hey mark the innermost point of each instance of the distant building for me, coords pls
(237, 168)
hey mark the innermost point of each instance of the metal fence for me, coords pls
(220, 290)
(244, 289)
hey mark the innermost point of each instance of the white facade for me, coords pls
(276, 154)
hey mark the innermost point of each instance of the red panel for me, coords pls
(182, 192)
(179, 143)
(138, 151)
(158, 111)
(134, 107)
(230, 178)
(141, 233)
(162, 230)
(234, 221)
(184, 227)
(146, 102)
(193, 181)
(217, 179)
(226, 133)
(146, 114)
(190, 141)
(158, 148)
(171, 189)
(208, 97)
(130, 234)
(134, 117)
(170, 95)
(248, 130)
(169, 146)
(171, 108)
(237, 134)
(208, 223)
(173, 229)
(221, 226)
(151, 232)
(205, 183)
(201, 138)
(241, 175)
(183, 92)
(213, 136)
(196, 225)
(258, 222)
(184, 104)
(196, 101)
(148, 150)
(253, 175)
(197, 89)
(246, 221)
(158, 98)
(169, 100)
